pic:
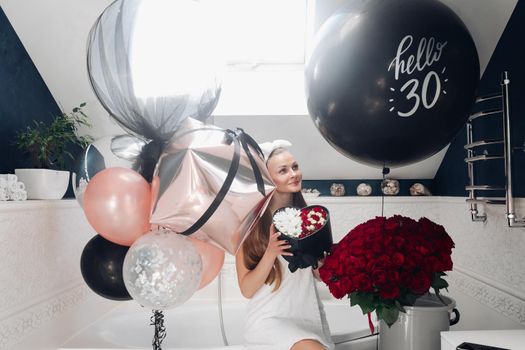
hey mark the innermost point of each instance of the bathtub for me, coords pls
(196, 325)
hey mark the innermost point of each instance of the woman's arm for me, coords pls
(251, 280)
(320, 263)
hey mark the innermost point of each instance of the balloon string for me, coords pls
(385, 172)
(382, 204)
(157, 320)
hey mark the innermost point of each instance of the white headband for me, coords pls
(269, 147)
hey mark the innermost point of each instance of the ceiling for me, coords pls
(54, 33)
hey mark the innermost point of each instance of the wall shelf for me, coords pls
(10, 206)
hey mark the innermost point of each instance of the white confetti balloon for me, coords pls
(162, 269)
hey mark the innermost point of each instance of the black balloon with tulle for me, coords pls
(390, 83)
(101, 266)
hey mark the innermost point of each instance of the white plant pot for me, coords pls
(44, 183)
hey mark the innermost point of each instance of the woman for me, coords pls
(284, 311)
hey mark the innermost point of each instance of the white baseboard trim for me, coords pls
(19, 325)
(503, 299)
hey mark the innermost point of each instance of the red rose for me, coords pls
(379, 276)
(325, 274)
(398, 241)
(384, 261)
(420, 283)
(446, 262)
(432, 264)
(405, 277)
(376, 248)
(362, 282)
(398, 259)
(337, 290)
(423, 249)
(359, 263)
(413, 259)
(389, 291)
(387, 258)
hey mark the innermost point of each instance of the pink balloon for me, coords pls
(212, 260)
(117, 204)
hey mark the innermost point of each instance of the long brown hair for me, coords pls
(255, 244)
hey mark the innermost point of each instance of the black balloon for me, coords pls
(123, 151)
(390, 83)
(101, 266)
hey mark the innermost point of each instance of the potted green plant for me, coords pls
(48, 144)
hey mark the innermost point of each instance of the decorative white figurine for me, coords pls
(364, 189)
(390, 187)
(418, 189)
(310, 192)
(337, 190)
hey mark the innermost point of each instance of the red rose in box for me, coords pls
(309, 232)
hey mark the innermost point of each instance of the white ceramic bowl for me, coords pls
(44, 183)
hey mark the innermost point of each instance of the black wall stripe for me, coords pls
(509, 55)
(23, 96)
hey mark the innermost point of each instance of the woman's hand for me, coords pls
(276, 246)
(251, 280)
(320, 263)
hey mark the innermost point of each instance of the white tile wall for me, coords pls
(43, 299)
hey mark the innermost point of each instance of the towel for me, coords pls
(268, 147)
(3, 194)
(18, 195)
(11, 188)
(278, 320)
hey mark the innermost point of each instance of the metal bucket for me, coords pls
(419, 328)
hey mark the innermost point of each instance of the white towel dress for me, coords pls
(278, 320)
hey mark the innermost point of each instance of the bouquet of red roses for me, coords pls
(385, 264)
(308, 231)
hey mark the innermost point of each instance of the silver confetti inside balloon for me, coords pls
(162, 269)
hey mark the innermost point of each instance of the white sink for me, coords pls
(510, 339)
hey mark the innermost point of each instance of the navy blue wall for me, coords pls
(509, 55)
(23, 96)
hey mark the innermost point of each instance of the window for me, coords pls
(265, 49)
(262, 32)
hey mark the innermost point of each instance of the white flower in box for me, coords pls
(288, 222)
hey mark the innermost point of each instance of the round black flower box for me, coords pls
(307, 251)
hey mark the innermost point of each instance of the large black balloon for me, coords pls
(390, 82)
(101, 266)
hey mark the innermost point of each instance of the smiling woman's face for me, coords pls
(285, 172)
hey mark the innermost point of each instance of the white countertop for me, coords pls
(511, 339)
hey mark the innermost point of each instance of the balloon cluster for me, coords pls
(390, 83)
(387, 84)
(145, 192)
